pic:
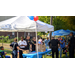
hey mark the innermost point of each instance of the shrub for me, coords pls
(5, 40)
(10, 40)
(7, 37)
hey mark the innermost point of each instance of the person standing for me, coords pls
(54, 46)
(14, 46)
(29, 44)
(40, 41)
(22, 44)
(71, 45)
(62, 45)
(33, 44)
(47, 42)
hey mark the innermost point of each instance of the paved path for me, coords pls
(6, 45)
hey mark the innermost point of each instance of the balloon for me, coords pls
(35, 18)
(31, 17)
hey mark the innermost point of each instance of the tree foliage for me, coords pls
(59, 22)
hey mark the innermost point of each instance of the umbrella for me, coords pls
(64, 32)
(71, 31)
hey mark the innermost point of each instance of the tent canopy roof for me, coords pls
(24, 24)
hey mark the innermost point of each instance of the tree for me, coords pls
(59, 22)
(64, 22)
(45, 19)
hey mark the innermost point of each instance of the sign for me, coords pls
(13, 33)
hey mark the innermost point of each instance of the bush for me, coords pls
(10, 40)
(7, 37)
(5, 40)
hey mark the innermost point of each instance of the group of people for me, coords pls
(59, 44)
(23, 44)
(63, 45)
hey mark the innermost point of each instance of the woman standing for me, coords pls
(14, 46)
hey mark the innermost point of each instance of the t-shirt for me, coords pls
(54, 42)
(62, 45)
(47, 42)
(15, 44)
(28, 44)
(40, 41)
(72, 41)
(22, 43)
(33, 46)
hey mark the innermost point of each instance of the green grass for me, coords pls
(63, 55)
(8, 51)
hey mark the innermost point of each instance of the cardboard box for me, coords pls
(26, 52)
(41, 48)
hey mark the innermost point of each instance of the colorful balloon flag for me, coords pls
(35, 18)
(31, 17)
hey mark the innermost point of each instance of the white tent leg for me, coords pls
(37, 43)
(17, 36)
(2, 41)
(17, 41)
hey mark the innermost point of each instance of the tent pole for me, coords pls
(2, 41)
(17, 36)
(36, 42)
(17, 41)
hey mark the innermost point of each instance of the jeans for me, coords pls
(14, 54)
(61, 53)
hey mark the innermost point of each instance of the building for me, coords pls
(2, 18)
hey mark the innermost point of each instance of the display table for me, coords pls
(34, 54)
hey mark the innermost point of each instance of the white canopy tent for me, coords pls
(24, 24)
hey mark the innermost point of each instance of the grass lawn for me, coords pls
(63, 55)
(8, 51)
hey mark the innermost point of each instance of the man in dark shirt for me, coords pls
(54, 46)
(71, 45)
(29, 44)
(14, 46)
(33, 44)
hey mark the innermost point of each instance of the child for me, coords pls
(3, 53)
